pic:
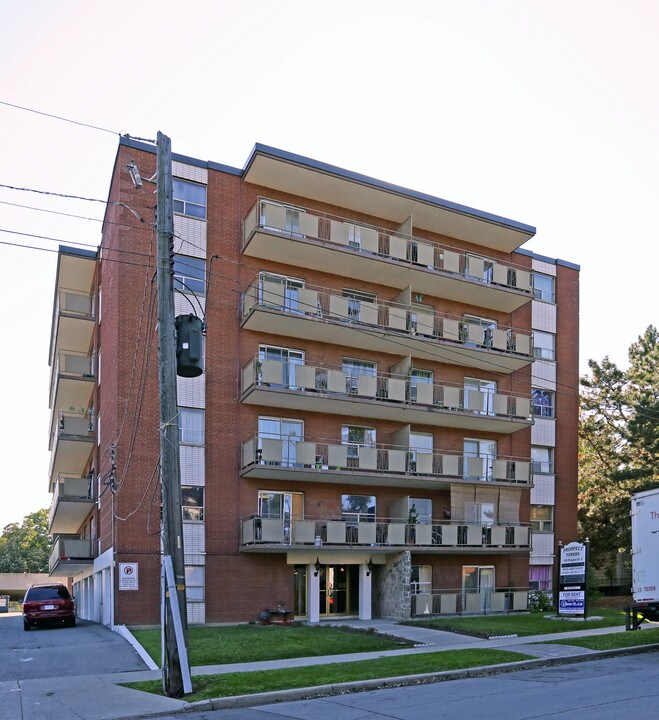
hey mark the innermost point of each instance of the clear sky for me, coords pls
(543, 112)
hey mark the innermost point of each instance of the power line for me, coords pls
(58, 117)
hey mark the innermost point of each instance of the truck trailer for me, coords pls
(645, 558)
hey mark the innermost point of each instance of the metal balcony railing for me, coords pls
(458, 602)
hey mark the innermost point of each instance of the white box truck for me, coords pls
(645, 556)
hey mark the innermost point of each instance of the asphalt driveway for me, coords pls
(87, 649)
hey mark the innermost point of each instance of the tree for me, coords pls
(26, 547)
(618, 444)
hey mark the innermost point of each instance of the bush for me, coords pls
(540, 601)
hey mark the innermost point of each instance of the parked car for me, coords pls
(51, 603)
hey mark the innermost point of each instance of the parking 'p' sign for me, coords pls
(128, 576)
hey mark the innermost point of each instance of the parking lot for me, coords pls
(46, 652)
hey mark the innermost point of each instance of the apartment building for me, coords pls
(386, 424)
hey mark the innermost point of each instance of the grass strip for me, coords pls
(521, 624)
(253, 643)
(250, 683)
(614, 641)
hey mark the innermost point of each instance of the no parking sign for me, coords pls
(128, 576)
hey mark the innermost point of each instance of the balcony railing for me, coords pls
(452, 602)
(329, 389)
(271, 304)
(75, 318)
(72, 380)
(70, 555)
(72, 440)
(72, 501)
(298, 236)
(296, 458)
(259, 530)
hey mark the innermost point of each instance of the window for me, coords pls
(358, 508)
(421, 579)
(543, 403)
(422, 510)
(542, 518)
(421, 319)
(355, 436)
(189, 198)
(478, 458)
(540, 577)
(544, 287)
(286, 294)
(290, 432)
(191, 426)
(192, 502)
(355, 300)
(194, 582)
(288, 358)
(485, 401)
(479, 267)
(190, 274)
(544, 345)
(480, 513)
(477, 330)
(542, 459)
(421, 444)
(270, 212)
(354, 368)
(419, 377)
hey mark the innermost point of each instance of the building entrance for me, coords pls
(339, 590)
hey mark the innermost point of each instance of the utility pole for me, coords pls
(175, 669)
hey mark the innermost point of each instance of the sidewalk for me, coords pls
(100, 697)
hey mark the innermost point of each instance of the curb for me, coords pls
(313, 692)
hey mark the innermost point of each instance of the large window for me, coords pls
(484, 402)
(544, 345)
(543, 403)
(421, 579)
(190, 274)
(353, 369)
(191, 426)
(192, 502)
(355, 300)
(542, 460)
(478, 458)
(189, 198)
(542, 518)
(544, 287)
(281, 292)
(195, 576)
(290, 432)
(288, 358)
(358, 508)
(419, 377)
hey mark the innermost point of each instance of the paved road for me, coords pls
(620, 687)
(86, 649)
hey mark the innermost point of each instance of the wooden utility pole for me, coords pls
(174, 667)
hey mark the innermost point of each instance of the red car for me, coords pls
(48, 604)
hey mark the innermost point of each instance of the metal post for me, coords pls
(172, 523)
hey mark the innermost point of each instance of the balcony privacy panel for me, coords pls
(521, 535)
(398, 247)
(397, 318)
(499, 339)
(424, 463)
(336, 532)
(500, 274)
(520, 600)
(271, 530)
(476, 267)
(425, 254)
(369, 239)
(451, 261)
(423, 534)
(304, 531)
(476, 400)
(396, 389)
(339, 307)
(522, 407)
(448, 603)
(366, 533)
(305, 376)
(476, 466)
(305, 453)
(368, 313)
(474, 334)
(523, 279)
(449, 535)
(368, 458)
(522, 471)
(472, 602)
(522, 344)
(425, 323)
(425, 393)
(272, 450)
(75, 303)
(498, 535)
(397, 460)
(274, 216)
(273, 293)
(497, 601)
(336, 381)
(474, 535)
(367, 385)
(499, 469)
(500, 405)
(248, 452)
(337, 456)
(450, 329)
(339, 232)
(451, 397)
(450, 465)
(309, 225)
(396, 534)
(272, 371)
(307, 301)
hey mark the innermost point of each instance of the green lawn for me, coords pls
(521, 624)
(250, 683)
(614, 641)
(251, 643)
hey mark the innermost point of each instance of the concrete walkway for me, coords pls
(100, 697)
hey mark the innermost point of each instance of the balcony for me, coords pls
(73, 322)
(275, 535)
(72, 380)
(70, 556)
(72, 502)
(72, 441)
(452, 602)
(296, 459)
(329, 389)
(273, 305)
(302, 238)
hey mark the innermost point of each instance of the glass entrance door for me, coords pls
(339, 589)
(478, 580)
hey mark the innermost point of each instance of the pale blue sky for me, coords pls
(546, 113)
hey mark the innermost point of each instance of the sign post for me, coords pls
(572, 598)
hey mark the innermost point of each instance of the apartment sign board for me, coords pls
(128, 576)
(572, 581)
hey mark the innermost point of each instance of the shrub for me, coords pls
(540, 601)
